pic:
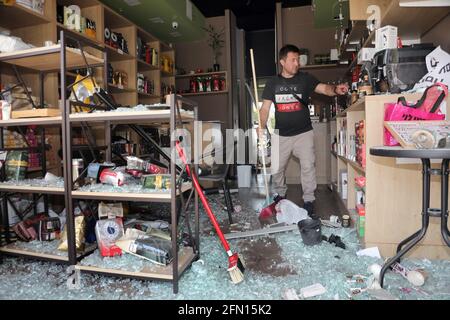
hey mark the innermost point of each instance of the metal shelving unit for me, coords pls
(59, 57)
(184, 256)
(44, 60)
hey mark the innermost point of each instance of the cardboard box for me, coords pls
(365, 54)
(386, 38)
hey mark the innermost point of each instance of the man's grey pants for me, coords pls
(302, 146)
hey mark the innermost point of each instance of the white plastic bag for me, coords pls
(289, 213)
(438, 66)
(10, 44)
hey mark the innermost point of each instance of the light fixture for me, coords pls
(424, 3)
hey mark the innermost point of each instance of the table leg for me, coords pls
(417, 236)
(444, 202)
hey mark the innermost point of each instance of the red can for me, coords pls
(216, 84)
(223, 85)
(193, 85)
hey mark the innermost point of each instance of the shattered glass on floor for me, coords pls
(275, 263)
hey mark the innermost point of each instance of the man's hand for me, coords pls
(341, 89)
(331, 90)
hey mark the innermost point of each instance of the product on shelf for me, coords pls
(115, 178)
(361, 223)
(108, 231)
(120, 79)
(154, 249)
(156, 181)
(79, 235)
(16, 165)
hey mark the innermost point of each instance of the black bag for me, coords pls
(310, 230)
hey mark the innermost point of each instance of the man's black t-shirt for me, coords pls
(291, 116)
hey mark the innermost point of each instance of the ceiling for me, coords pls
(250, 14)
(157, 16)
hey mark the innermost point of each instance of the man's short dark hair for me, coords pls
(286, 49)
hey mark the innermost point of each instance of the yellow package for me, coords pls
(79, 235)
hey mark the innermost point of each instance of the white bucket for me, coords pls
(244, 176)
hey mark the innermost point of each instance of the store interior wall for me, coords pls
(298, 29)
(197, 54)
(439, 34)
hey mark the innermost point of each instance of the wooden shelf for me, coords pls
(29, 189)
(14, 250)
(10, 249)
(67, 30)
(48, 58)
(127, 117)
(116, 54)
(128, 196)
(116, 89)
(113, 20)
(319, 66)
(354, 164)
(204, 93)
(146, 66)
(357, 106)
(17, 16)
(412, 22)
(200, 74)
(31, 121)
(153, 271)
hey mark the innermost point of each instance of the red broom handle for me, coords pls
(203, 198)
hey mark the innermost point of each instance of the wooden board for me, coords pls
(133, 116)
(25, 252)
(260, 232)
(185, 257)
(147, 197)
(29, 189)
(36, 113)
(403, 130)
(47, 58)
(31, 121)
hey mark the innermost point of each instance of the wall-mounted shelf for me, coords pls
(117, 54)
(32, 58)
(17, 16)
(181, 76)
(203, 93)
(146, 66)
(61, 26)
(319, 66)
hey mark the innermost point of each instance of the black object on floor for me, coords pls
(310, 230)
(334, 239)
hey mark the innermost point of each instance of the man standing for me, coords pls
(290, 91)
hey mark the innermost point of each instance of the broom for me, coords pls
(263, 160)
(236, 266)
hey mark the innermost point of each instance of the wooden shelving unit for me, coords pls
(412, 22)
(392, 205)
(204, 93)
(17, 16)
(35, 29)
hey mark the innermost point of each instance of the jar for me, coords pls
(77, 168)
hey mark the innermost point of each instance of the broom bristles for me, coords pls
(236, 269)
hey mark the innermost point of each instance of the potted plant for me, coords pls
(216, 43)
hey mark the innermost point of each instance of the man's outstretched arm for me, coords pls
(331, 90)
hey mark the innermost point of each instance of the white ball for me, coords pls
(415, 278)
(375, 269)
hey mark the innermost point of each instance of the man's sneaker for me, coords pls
(309, 206)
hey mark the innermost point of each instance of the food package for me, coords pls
(108, 231)
(114, 178)
(110, 210)
(156, 181)
(153, 249)
(16, 165)
(79, 235)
